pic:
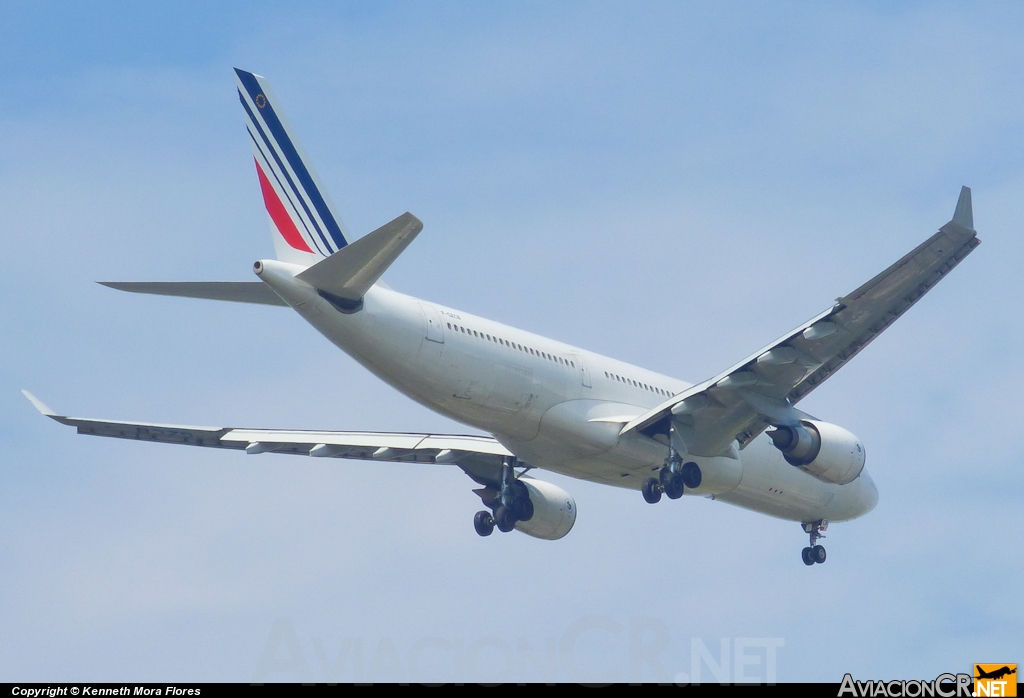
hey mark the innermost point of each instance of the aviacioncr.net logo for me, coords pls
(942, 686)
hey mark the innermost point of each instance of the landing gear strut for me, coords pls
(511, 505)
(814, 552)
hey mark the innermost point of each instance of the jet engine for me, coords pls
(554, 510)
(826, 451)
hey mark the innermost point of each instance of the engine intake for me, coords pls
(554, 511)
(826, 451)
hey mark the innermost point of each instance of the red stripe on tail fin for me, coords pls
(279, 214)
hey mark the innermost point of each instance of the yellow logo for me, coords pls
(995, 680)
(261, 101)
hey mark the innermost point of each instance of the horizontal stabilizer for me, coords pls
(236, 291)
(351, 271)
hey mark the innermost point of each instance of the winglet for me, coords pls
(39, 404)
(964, 214)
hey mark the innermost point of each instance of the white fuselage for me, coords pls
(555, 406)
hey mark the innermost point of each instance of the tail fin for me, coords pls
(302, 219)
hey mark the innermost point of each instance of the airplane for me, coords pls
(996, 674)
(736, 436)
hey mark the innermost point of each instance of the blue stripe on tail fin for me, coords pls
(295, 188)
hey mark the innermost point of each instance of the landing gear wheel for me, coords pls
(806, 555)
(652, 491)
(674, 486)
(483, 522)
(818, 554)
(671, 483)
(664, 475)
(691, 475)
(504, 519)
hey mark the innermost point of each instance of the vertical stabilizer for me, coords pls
(303, 221)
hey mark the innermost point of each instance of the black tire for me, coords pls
(504, 519)
(674, 486)
(806, 555)
(651, 490)
(691, 475)
(524, 509)
(483, 522)
(664, 476)
(818, 554)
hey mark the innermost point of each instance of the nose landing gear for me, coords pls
(814, 553)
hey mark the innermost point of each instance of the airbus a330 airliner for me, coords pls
(737, 436)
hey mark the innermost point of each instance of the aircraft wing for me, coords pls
(732, 408)
(481, 457)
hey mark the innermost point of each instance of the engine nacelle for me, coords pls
(554, 510)
(826, 451)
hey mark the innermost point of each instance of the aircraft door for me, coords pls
(582, 370)
(435, 328)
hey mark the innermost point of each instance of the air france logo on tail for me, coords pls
(304, 222)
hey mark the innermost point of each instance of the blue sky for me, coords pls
(671, 184)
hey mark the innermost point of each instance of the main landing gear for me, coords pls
(510, 506)
(814, 553)
(673, 479)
